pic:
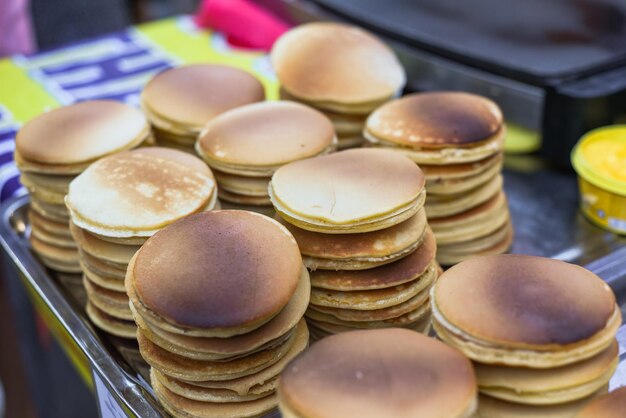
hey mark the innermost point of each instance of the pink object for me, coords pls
(244, 23)
(16, 35)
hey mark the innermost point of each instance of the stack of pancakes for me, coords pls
(457, 139)
(391, 373)
(359, 74)
(612, 405)
(218, 298)
(541, 332)
(245, 146)
(180, 101)
(115, 206)
(52, 149)
(359, 221)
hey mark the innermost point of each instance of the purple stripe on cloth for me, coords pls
(7, 157)
(8, 135)
(9, 188)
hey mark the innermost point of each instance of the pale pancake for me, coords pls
(112, 302)
(104, 281)
(577, 309)
(56, 258)
(358, 67)
(353, 315)
(201, 394)
(256, 139)
(438, 206)
(105, 197)
(379, 373)
(612, 405)
(58, 183)
(489, 407)
(373, 299)
(475, 223)
(103, 250)
(200, 370)
(241, 199)
(102, 268)
(43, 194)
(114, 326)
(242, 185)
(180, 407)
(440, 173)
(50, 226)
(359, 251)
(360, 189)
(460, 185)
(254, 383)
(409, 319)
(349, 141)
(55, 240)
(56, 213)
(548, 386)
(209, 294)
(401, 271)
(205, 348)
(497, 243)
(182, 100)
(73, 135)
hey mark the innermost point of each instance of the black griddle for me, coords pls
(557, 67)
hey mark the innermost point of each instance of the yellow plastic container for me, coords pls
(599, 158)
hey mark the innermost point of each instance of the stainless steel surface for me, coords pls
(545, 216)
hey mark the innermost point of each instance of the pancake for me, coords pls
(475, 223)
(548, 386)
(66, 139)
(373, 299)
(55, 240)
(198, 393)
(405, 320)
(55, 213)
(612, 405)
(418, 322)
(102, 268)
(528, 311)
(182, 100)
(378, 373)
(358, 68)
(105, 197)
(497, 243)
(238, 270)
(349, 141)
(241, 199)
(104, 281)
(52, 227)
(437, 174)
(263, 210)
(103, 250)
(460, 185)
(221, 348)
(56, 258)
(114, 326)
(402, 271)
(180, 407)
(489, 407)
(358, 190)
(40, 193)
(200, 370)
(438, 206)
(256, 139)
(242, 185)
(439, 127)
(114, 303)
(353, 315)
(359, 251)
(53, 183)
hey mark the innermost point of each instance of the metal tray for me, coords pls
(543, 206)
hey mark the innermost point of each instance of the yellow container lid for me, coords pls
(600, 158)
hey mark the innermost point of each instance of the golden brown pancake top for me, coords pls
(218, 269)
(194, 94)
(348, 185)
(524, 300)
(336, 62)
(267, 134)
(381, 243)
(436, 120)
(378, 373)
(612, 405)
(80, 132)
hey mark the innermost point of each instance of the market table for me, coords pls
(543, 201)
